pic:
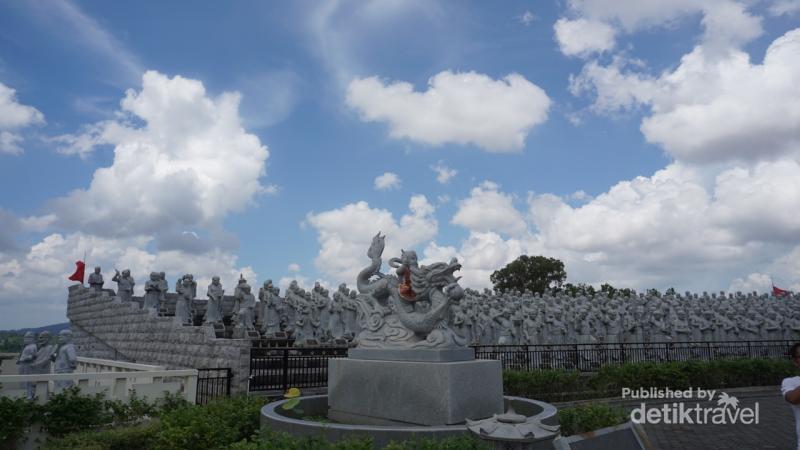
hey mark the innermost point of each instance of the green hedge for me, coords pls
(561, 385)
(135, 437)
(580, 419)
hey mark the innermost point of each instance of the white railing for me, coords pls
(95, 365)
(151, 384)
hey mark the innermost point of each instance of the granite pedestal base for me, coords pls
(370, 392)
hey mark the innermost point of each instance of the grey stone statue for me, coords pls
(125, 285)
(163, 287)
(26, 358)
(246, 303)
(65, 358)
(152, 292)
(214, 305)
(96, 280)
(387, 306)
(44, 354)
(183, 314)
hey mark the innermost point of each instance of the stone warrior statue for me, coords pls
(214, 305)
(65, 358)
(391, 318)
(25, 361)
(125, 285)
(96, 280)
(152, 292)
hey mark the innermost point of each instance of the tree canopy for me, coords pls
(529, 273)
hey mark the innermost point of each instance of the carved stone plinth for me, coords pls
(374, 392)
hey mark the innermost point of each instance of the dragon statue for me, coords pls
(409, 309)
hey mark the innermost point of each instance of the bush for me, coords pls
(15, 415)
(136, 437)
(540, 383)
(213, 426)
(69, 411)
(270, 440)
(608, 381)
(581, 419)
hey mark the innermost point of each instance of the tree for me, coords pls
(529, 273)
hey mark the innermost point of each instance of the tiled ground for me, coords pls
(775, 429)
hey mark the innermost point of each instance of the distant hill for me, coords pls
(53, 329)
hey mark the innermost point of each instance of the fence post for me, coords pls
(577, 358)
(749, 351)
(285, 366)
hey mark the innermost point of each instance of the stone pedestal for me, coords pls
(373, 392)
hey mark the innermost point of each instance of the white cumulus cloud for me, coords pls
(387, 181)
(189, 163)
(443, 173)
(461, 108)
(489, 209)
(14, 115)
(582, 37)
(711, 107)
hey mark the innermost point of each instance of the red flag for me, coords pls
(78, 275)
(778, 292)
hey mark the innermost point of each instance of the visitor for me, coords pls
(790, 388)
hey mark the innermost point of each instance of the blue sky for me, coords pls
(646, 143)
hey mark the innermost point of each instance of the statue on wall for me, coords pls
(214, 304)
(152, 292)
(96, 280)
(391, 319)
(246, 302)
(125, 285)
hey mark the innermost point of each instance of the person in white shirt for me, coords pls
(790, 388)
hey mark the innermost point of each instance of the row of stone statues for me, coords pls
(38, 354)
(556, 318)
(488, 318)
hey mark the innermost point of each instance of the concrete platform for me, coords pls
(385, 393)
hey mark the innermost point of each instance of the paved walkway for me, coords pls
(775, 429)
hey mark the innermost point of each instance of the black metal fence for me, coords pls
(589, 357)
(278, 369)
(213, 383)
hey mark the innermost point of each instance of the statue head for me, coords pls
(29, 338)
(153, 276)
(126, 273)
(43, 338)
(162, 275)
(353, 294)
(65, 337)
(409, 258)
(215, 280)
(97, 269)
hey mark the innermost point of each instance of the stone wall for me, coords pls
(104, 327)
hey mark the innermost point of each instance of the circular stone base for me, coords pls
(314, 408)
